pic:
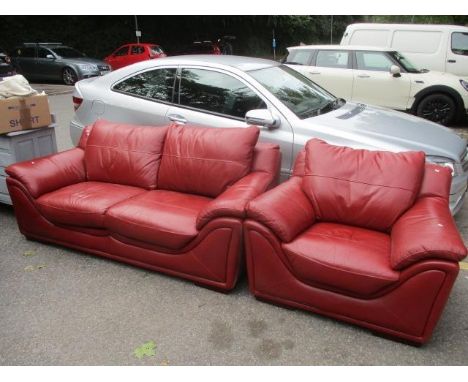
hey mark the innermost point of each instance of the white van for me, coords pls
(437, 47)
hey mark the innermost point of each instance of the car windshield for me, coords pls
(156, 49)
(68, 53)
(404, 62)
(299, 94)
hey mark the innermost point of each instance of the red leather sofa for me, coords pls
(364, 237)
(170, 199)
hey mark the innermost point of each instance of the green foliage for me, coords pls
(419, 19)
(98, 36)
(148, 349)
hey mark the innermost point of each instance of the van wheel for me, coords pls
(69, 76)
(438, 108)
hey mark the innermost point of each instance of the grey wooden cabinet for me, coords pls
(24, 145)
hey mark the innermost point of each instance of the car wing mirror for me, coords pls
(395, 71)
(50, 57)
(262, 117)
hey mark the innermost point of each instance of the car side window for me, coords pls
(332, 59)
(122, 51)
(460, 43)
(217, 92)
(156, 84)
(25, 52)
(137, 49)
(299, 57)
(377, 61)
(42, 53)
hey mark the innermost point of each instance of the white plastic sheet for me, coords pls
(15, 86)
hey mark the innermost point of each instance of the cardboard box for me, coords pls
(24, 113)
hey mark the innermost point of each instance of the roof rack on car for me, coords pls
(42, 43)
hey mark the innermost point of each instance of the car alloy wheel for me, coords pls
(69, 76)
(438, 108)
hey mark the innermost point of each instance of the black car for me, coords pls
(56, 62)
(6, 68)
(199, 47)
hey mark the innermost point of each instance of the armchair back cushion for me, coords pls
(364, 188)
(205, 161)
(124, 154)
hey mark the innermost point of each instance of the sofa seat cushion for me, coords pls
(84, 204)
(163, 218)
(345, 258)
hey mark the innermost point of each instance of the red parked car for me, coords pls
(131, 53)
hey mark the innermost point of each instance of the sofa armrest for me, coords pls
(232, 202)
(50, 173)
(286, 210)
(426, 231)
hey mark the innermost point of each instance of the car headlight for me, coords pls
(88, 67)
(464, 84)
(445, 162)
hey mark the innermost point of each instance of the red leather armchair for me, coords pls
(364, 237)
(170, 199)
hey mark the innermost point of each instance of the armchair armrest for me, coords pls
(50, 173)
(232, 202)
(426, 231)
(286, 210)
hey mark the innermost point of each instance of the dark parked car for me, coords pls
(55, 61)
(200, 47)
(6, 69)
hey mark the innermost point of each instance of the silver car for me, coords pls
(231, 91)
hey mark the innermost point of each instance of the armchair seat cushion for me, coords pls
(84, 204)
(163, 218)
(340, 257)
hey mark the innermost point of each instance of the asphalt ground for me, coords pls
(63, 307)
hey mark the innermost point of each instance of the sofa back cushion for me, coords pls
(204, 160)
(364, 188)
(124, 154)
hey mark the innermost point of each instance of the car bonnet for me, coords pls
(391, 130)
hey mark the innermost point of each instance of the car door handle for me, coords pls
(452, 61)
(314, 72)
(363, 76)
(177, 118)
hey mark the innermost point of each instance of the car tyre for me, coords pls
(69, 76)
(437, 107)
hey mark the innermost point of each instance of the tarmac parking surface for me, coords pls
(62, 307)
